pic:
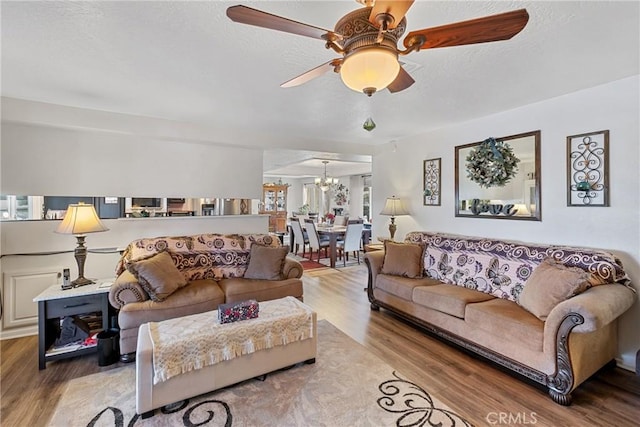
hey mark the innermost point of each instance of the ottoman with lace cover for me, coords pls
(187, 356)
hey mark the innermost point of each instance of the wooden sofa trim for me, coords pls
(559, 385)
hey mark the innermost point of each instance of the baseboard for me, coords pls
(19, 332)
(620, 364)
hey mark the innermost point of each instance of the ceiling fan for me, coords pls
(367, 39)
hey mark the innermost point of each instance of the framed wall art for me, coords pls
(499, 178)
(431, 182)
(588, 169)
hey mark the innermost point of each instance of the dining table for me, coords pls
(334, 232)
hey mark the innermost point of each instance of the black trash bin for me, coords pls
(108, 347)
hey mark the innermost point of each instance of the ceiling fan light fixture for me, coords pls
(370, 69)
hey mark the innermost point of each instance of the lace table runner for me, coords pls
(192, 342)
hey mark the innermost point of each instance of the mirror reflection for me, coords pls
(499, 178)
(18, 208)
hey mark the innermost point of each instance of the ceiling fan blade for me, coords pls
(395, 8)
(481, 30)
(313, 73)
(403, 81)
(250, 16)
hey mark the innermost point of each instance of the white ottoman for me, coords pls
(150, 396)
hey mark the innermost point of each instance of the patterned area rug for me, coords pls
(347, 386)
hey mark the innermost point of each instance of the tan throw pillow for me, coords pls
(550, 284)
(157, 275)
(403, 259)
(266, 262)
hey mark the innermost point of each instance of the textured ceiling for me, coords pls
(186, 61)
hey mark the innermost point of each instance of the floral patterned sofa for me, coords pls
(546, 312)
(201, 272)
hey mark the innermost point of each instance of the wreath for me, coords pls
(492, 163)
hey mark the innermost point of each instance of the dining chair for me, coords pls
(351, 242)
(315, 242)
(340, 220)
(299, 236)
(358, 221)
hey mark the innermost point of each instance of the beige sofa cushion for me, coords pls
(241, 289)
(402, 287)
(550, 284)
(506, 320)
(157, 275)
(403, 259)
(266, 262)
(197, 297)
(449, 299)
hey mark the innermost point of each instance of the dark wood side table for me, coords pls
(55, 303)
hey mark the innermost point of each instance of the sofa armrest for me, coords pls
(374, 261)
(126, 289)
(599, 306)
(291, 269)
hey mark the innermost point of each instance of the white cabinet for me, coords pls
(19, 288)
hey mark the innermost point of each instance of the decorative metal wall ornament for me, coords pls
(431, 181)
(492, 163)
(588, 169)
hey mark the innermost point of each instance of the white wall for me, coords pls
(613, 106)
(42, 160)
(294, 198)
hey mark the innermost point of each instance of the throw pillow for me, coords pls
(403, 259)
(157, 275)
(266, 262)
(550, 284)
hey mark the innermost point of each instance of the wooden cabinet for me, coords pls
(274, 203)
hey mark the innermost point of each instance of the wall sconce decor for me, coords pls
(431, 182)
(588, 169)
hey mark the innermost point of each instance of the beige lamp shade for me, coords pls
(81, 219)
(393, 207)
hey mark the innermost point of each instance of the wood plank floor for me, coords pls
(473, 388)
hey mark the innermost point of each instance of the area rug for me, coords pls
(347, 386)
(312, 265)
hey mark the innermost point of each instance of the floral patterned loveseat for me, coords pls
(212, 270)
(471, 291)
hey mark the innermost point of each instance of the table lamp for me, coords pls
(79, 220)
(393, 207)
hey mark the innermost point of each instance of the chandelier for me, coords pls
(324, 183)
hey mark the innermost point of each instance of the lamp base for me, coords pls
(392, 227)
(81, 281)
(80, 254)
